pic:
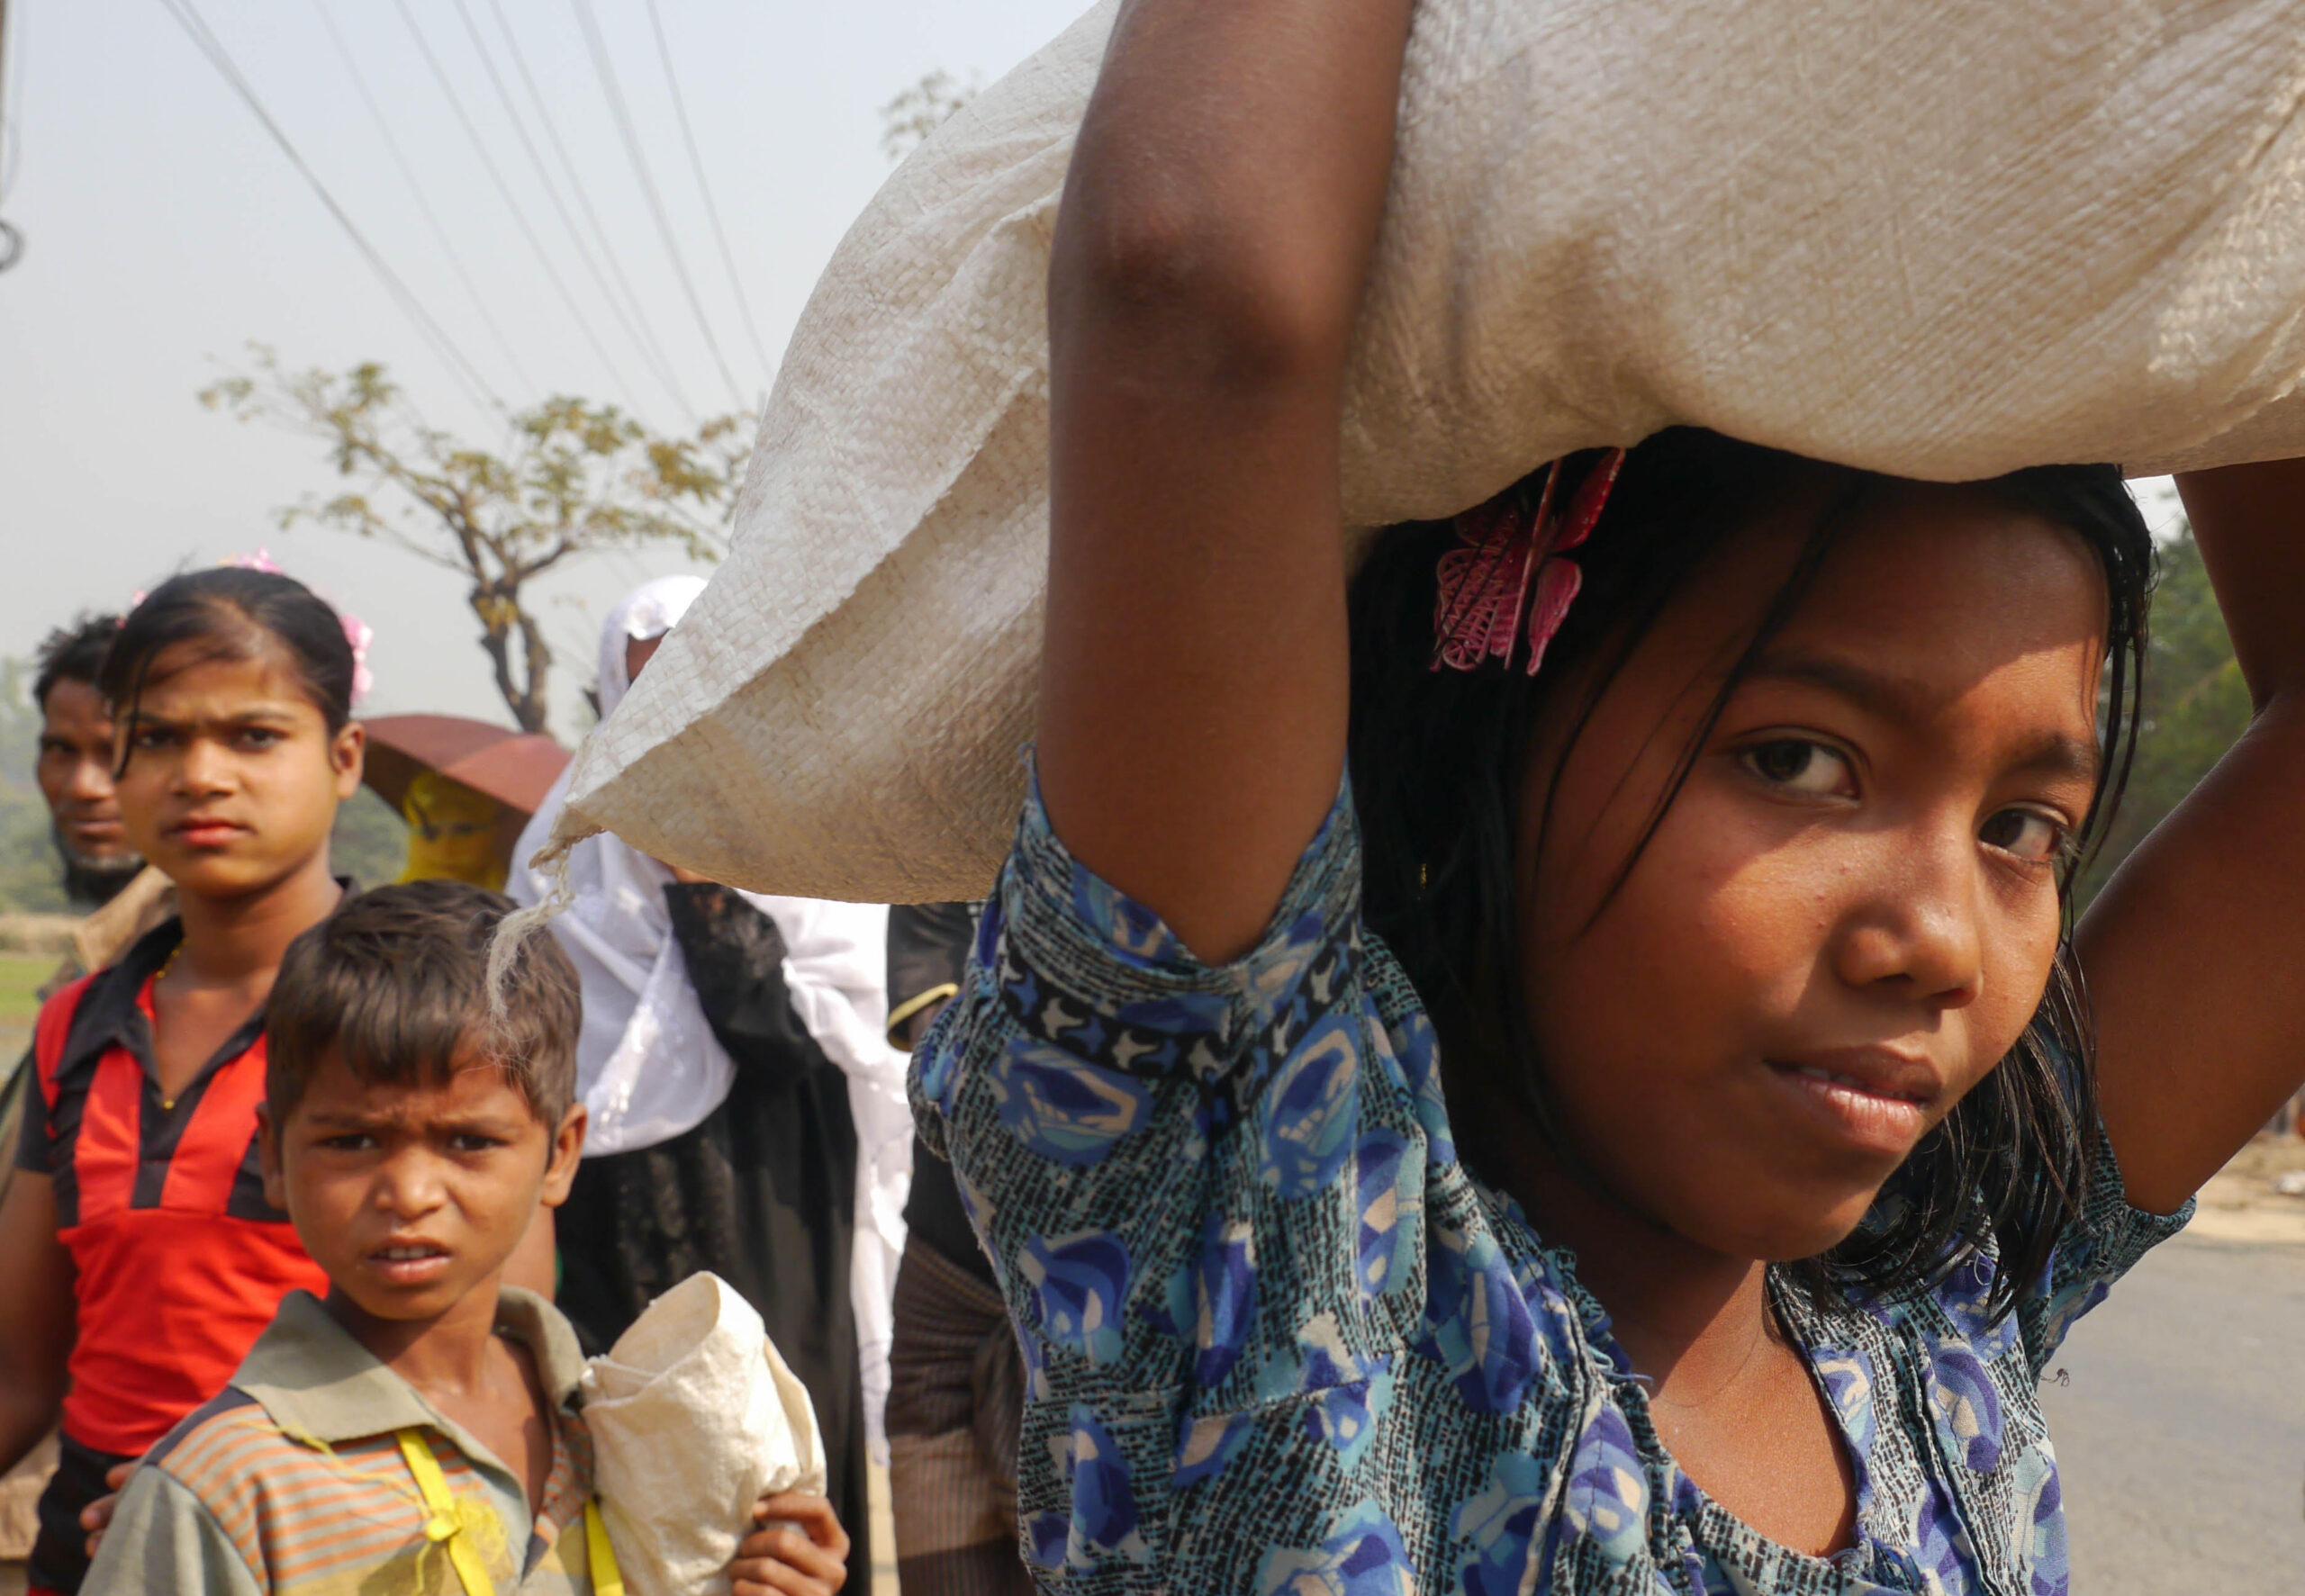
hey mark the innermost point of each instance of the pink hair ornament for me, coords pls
(358, 634)
(1513, 574)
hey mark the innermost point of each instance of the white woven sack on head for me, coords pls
(694, 1417)
(1945, 240)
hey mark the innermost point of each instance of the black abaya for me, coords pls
(762, 1192)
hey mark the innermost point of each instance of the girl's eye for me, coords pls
(472, 1141)
(257, 736)
(1801, 766)
(352, 1142)
(2027, 833)
(150, 737)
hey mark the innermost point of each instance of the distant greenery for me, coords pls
(370, 843)
(22, 976)
(2195, 705)
(29, 878)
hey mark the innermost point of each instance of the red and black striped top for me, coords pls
(161, 1202)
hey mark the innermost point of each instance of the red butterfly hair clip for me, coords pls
(1514, 564)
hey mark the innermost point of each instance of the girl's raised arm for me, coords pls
(2195, 952)
(1216, 225)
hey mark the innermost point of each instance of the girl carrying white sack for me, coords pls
(748, 1114)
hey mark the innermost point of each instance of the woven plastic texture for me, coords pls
(694, 1416)
(1942, 241)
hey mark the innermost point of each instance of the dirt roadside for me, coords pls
(2245, 1203)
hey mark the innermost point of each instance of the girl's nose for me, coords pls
(203, 768)
(1918, 926)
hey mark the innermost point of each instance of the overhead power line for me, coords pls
(11, 93)
(188, 17)
(511, 203)
(577, 185)
(607, 73)
(11, 90)
(696, 164)
(651, 352)
(439, 234)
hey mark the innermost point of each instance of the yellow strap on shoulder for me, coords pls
(445, 1525)
(600, 1556)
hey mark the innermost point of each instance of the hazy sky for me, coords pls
(164, 231)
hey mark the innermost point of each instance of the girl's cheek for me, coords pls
(2016, 979)
(138, 796)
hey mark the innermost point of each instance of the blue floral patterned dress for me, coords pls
(1279, 1340)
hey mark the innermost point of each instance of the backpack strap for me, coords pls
(447, 1523)
(600, 1556)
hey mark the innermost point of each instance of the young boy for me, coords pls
(419, 1431)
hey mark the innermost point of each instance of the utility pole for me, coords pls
(12, 240)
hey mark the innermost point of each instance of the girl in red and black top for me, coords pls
(137, 1213)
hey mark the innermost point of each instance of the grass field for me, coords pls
(21, 975)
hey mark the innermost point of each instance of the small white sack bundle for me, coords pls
(694, 1418)
(1941, 240)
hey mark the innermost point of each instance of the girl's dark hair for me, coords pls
(232, 613)
(1439, 766)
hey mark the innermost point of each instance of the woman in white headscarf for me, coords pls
(747, 1111)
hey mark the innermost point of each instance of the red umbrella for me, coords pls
(516, 769)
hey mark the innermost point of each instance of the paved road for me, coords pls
(2181, 1427)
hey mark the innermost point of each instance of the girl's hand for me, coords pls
(96, 1517)
(802, 1552)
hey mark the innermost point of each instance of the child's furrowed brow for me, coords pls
(491, 1119)
(321, 1119)
(503, 1127)
(245, 715)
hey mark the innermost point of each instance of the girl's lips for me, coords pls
(206, 834)
(1868, 1116)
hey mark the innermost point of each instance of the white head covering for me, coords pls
(647, 612)
(647, 1064)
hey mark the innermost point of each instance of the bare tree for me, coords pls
(572, 479)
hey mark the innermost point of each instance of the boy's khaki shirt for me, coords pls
(291, 1482)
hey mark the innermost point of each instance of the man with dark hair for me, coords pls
(77, 758)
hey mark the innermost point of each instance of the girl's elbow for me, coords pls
(1186, 288)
